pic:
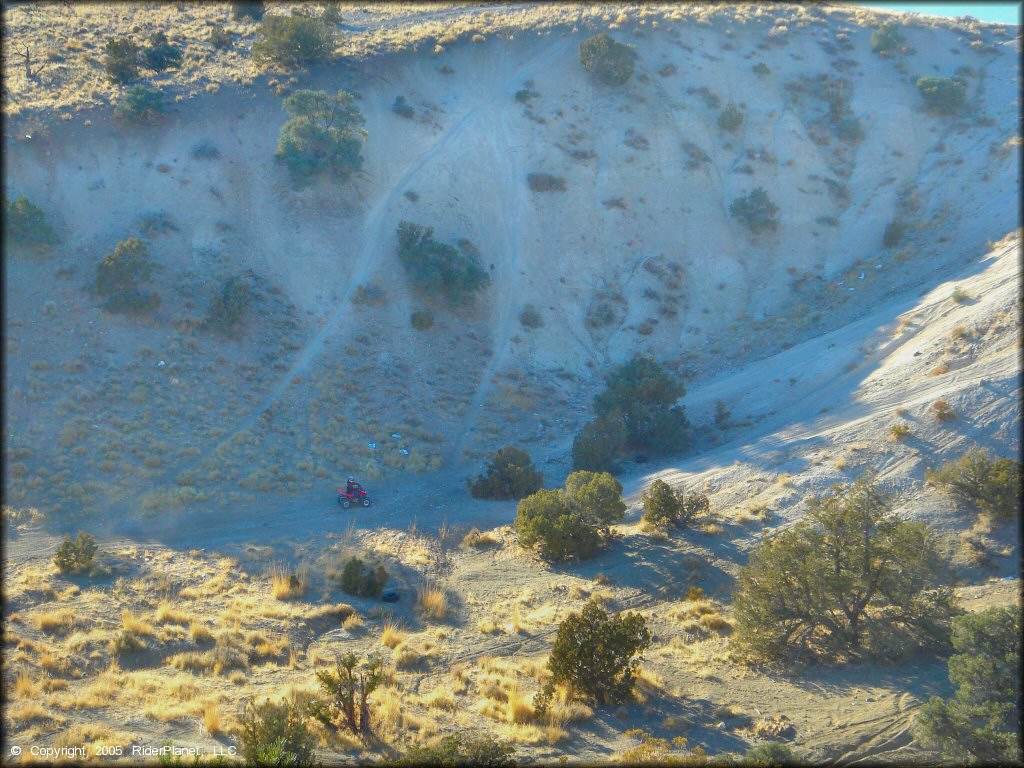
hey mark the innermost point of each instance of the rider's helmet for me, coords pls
(351, 479)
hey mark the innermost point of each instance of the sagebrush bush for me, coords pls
(510, 474)
(252, 9)
(990, 483)
(229, 306)
(596, 655)
(293, 41)
(461, 749)
(756, 211)
(140, 104)
(530, 317)
(361, 579)
(665, 507)
(895, 230)
(76, 555)
(26, 227)
(851, 579)
(323, 135)
(610, 62)
(120, 274)
(220, 38)
(160, 54)
(275, 734)
(981, 722)
(731, 118)
(422, 319)
(545, 182)
(402, 108)
(887, 39)
(943, 95)
(121, 60)
(345, 691)
(439, 269)
(850, 130)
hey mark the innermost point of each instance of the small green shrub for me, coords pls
(160, 54)
(645, 393)
(731, 118)
(530, 317)
(610, 62)
(850, 130)
(460, 749)
(895, 231)
(75, 555)
(26, 227)
(140, 104)
(220, 38)
(992, 484)
(981, 722)
(422, 319)
(596, 655)
(960, 296)
(275, 734)
(121, 60)
(228, 308)
(756, 211)
(251, 9)
(510, 474)
(943, 411)
(402, 108)
(762, 69)
(361, 580)
(665, 507)
(899, 431)
(293, 41)
(943, 95)
(119, 274)
(722, 414)
(345, 693)
(436, 268)
(545, 182)
(887, 39)
(323, 135)
(599, 445)
(771, 755)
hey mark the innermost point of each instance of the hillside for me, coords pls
(891, 282)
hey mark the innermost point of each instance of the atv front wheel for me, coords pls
(345, 503)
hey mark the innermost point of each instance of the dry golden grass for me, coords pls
(132, 623)
(32, 712)
(287, 583)
(60, 621)
(167, 614)
(212, 718)
(519, 708)
(476, 539)
(441, 698)
(353, 623)
(24, 686)
(391, 635)
(716, 622)
(432, 602)
(199, 633)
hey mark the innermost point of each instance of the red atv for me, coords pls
(357, 498)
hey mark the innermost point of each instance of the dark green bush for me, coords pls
(596, 655)
(666, 508)
(228, 308)
(362, 580)
(530, 317)
(981, 723)
(545, 182)
(887, 39)
(160, 54)
(599, 445)
(850, 130)
(771, 755)
(221, 39)
(422, 319)
(26, 227)
(402, 108)
(731, 118)
(121, 59)
(345, 693)
(75, 555)
(756, 211)
(275, 734)
(252, 9)
(992, 484)
(140, 104)
(610, 62)
(943, 95)
(324, 134)
(644, 393)
(762, 69)
(293, 41)
(722, 414)
(119, 275)
(436, 268)
(851, 579)
(572, 522)
(510, 474)
(460, 750)
(894, 233)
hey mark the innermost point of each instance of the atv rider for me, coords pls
(351, 487)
